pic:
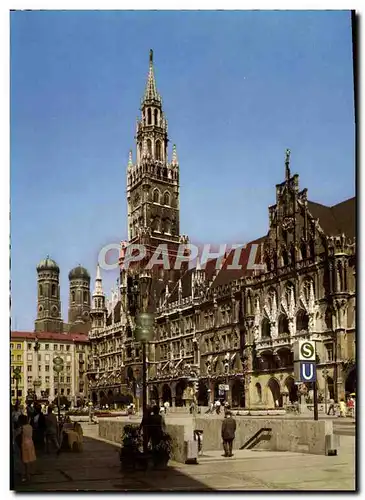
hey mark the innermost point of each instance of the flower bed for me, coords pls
(97, 413)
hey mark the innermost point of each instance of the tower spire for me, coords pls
(151, 93)
(287, 164)
(98, 289)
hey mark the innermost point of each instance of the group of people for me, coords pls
(345, 408)
(216, 407)
(33, 432)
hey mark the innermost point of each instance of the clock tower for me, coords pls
(153, 179)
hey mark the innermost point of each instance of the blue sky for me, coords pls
(238, 89)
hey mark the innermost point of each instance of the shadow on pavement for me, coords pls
(97, 468)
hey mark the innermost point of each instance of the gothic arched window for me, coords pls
(149, 146)
(149, 116)
(283, 324)
(167, 226)
(288, 293)
(265, 328)
(292, 254)
(158, 150)
(53, 290)
(303, 250)
(302, 321)
(156, 116)
(285, 257)
(86, 297)
(72, 296)
(156, 224)
(156, 196)
(340, 286)
(41, 290)
(166, 199)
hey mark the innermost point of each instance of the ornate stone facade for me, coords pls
(223, 333)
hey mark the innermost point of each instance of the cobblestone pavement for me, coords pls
(97, 468)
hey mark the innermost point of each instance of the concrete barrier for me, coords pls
(295, 435)
(303, 436)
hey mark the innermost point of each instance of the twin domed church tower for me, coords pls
(153, 201)
(80, 310)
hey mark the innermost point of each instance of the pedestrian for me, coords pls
(331, 407)
(39, 428)
(351, 406)
(156, 426)
(26, 446)
(343, 409)
(217, 405)
(167, 406)
(16, 414)
(51, 430)
(228, 433)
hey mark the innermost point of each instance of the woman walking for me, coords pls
(26, 446)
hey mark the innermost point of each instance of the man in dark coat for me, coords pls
(39, 428)
(228, 433)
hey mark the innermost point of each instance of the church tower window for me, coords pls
(156, 117)
(158, 150)
(149, 146)
(156, 196)
(149, 116)
(166, 199)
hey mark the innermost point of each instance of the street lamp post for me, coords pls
(58, 367)
(325, 373)
(36, 382)
(139, 301)
(17, 377)
(143, 334)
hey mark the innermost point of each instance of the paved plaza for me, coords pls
(97, 468)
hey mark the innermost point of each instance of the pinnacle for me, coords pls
(174, 160)
(151, 93)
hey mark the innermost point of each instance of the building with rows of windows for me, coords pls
(34, 351)
(232, 330)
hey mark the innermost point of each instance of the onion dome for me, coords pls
(48, 264)
(79, 272)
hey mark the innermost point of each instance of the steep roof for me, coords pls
(63, 337)
(249, 254)
(338, 219)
